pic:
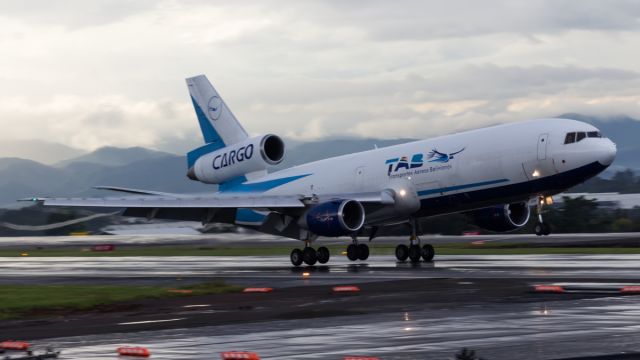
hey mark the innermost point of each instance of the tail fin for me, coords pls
(219, 127)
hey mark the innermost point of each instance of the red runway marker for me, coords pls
(14, 345)
(630, 289)
(239, 355)
(133, 351)
(180, 291)
(549, 289)
(257, 290)
(345, 289)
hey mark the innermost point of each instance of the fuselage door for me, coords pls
(543, 139)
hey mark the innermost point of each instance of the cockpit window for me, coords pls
(574, 137)
(594, 134)
(570, 138)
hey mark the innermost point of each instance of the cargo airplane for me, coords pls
(491, 174)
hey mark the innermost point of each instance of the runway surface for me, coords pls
(256, 239)
(404, 311)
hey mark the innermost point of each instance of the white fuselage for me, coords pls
(511, 162)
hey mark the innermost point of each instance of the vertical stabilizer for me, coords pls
(218, 125)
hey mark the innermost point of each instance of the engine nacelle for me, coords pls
(254, 154)
(334, 218)
(502, 217)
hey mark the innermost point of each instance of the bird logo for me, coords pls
(436, 156)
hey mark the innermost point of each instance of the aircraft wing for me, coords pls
(158, 201)
(210, 201)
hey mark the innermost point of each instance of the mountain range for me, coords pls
(150, 169)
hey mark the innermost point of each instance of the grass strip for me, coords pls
(28, 300)
(383, 249)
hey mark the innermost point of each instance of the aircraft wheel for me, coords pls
(428, 252)
(352, 252)
(546, 229)
(402, 252)
(415, 253)
(538, 228)
(363, 251)
(296, 257)
(323, 255)
(309, 255)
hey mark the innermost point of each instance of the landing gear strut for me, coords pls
(357, 251)
(310, 256)
(414, 252)
(541, 228)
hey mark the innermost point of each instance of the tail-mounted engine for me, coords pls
(254, 154)
(334, 218)
(502, 217)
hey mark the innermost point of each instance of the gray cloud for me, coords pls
(94, 73)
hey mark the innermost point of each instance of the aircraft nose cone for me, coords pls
(608, 153)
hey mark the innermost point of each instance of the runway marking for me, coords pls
(149, 321)
(195, 306)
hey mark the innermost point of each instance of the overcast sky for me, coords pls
(110, 72)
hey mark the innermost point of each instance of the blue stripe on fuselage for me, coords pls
(460, 187)
(261, 186)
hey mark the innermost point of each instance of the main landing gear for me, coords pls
(414, 252)
(357, 251)
(542, 228)
(310, 256)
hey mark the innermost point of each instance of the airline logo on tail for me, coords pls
(214, 107)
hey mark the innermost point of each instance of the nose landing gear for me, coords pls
(541, 227)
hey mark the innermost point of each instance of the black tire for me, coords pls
(352, 252)
(363, 251)
(323, 255)
(428, 252)
(402, 252)
(296, 257)
(309, 256)
(415, 253)
(546, 229)
(538, 228)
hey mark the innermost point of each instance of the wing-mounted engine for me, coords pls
(501, 218)
(253, 154)
(334, 218)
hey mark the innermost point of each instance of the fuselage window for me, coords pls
(594, 134)
(580, 136)
(570, 138)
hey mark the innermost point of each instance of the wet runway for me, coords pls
(497, 332)
(426, 311)
(276, 271)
